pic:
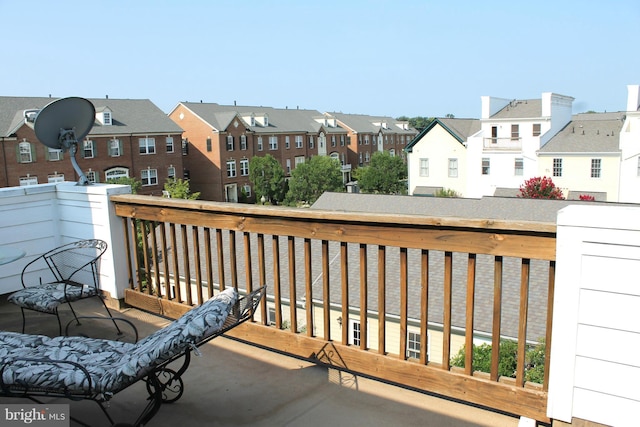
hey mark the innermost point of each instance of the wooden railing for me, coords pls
(393, 297)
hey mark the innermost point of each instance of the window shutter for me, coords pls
(46, 154)
(94, 147)
(19, 160)
(33, 152)
(120, 147)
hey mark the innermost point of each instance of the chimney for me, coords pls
(633, 98)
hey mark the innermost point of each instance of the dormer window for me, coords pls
(104, 116)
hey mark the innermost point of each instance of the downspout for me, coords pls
(4, 162)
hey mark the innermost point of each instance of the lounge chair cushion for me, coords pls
(111, 365)
(47, 298)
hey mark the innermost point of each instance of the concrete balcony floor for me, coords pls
(236, 384)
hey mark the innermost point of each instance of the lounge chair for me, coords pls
(97, 369)
(62, 275)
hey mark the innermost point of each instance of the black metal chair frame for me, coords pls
(65, 263)
(164, 385)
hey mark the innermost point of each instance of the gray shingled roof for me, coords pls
(280, 120)
(128, 115)
(485, 208)
(588, 133)
(520, 109)
(362, 123)
(463, 128)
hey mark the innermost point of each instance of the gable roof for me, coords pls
(588, 133)
(129, 116)
(460, 129)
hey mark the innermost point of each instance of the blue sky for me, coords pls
(387, 57)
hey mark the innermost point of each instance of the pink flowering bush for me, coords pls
(587, 197)
(540, 188)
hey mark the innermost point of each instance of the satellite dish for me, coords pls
(61, 123)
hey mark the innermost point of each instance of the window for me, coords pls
(54, 155)
(149, 177)
(243, 142)
(557, 167)
(596, 166)
(288, 166)
(92, 176)
(453, 168)
(298, 160)
(244, 167)
(28, 180)
(25, 153)
(169, 142)
(342, 140)
(519, 167)
(413, 345)
(87, 149)
(486, 165)
(247, 190)
(185, 147)
(115, 148)
(116, 173)
(171, 172)
(536, 129)
(273, 143)
(147, 145)
(366, 140)
(58, 177)
(311, 144)
(299, 141)
(354, 332)
(230, 143)
(367, 157)
(287, 142)
(333, 140)
(259, 143)
(494, 134)
(231, 168)
(515, 131)
(209, 144)
(106, 118)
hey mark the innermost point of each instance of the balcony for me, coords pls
(354, 296)
(502, 144)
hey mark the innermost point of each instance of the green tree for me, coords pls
(417, 123)
(312, 178)
(540, 188)
(179, 189)
(267, 176)
(134, 183)
(386, 174)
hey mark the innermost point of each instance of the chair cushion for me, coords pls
(47, 298)
(111, 365)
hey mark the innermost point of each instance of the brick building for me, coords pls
(222, 139)
(131, 138)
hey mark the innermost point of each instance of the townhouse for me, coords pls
(222, 139)
(595, 154)
(129, 138)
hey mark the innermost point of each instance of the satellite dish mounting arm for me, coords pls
(67, 140)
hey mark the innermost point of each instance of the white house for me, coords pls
(630, 149)
(437, 157)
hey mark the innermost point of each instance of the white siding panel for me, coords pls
(606, 409)
(609, 310)
(610, 378)
(608, 344)
(612, 274)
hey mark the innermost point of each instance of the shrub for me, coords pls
(540, 188)
(446, 192)
(587, 197)
(508, 363)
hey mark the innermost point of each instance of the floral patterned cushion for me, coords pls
(47, 298)
(110, 365)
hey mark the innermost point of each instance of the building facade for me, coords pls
(129, 138)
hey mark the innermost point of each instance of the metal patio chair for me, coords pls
(62, 275)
